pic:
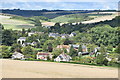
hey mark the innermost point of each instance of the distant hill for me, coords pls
(80, 17)
(46, 13)
(15, 24)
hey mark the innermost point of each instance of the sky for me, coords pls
(59, 4)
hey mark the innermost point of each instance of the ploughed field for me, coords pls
(40, 69)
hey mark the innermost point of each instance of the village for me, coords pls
(59, 43)
(65, 52)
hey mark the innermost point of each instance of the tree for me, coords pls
(1, 26)
(32, 38)
(16, 47)
(103, 50)
(91, 47)
(118, 49)
(56, 52)
(7, 38)
(37, 22)
(67, 41)
(50, 47)
(29, 30)
(5, 52)
(27, 50)
(101, 58)
(72, 52)
(23, 32)
(64, 50)
(80, 48)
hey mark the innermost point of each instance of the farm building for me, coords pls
(44, 56)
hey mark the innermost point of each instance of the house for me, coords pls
(84, 48)
(67, 47)
(43, 56)
(64, 35)
(31, 33)
(63, 57)
(21, 40)
(54, 35)
(17, 55)
(74, 46)
(72, 34)
(83, 53)
(33, 43)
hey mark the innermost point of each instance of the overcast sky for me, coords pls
(59, 4)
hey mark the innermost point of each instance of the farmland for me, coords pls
(41, 69)
(14, 23)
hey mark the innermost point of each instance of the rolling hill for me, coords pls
(14, 24)
(85, 18)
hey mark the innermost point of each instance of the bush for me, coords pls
(105, 62)
(87, 60)
(100, 59)
(112, 63)
(30, 59)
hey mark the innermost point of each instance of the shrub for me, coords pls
(112, 63)
(100, 59)
(87, 60)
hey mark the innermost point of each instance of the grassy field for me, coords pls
(14, 23)
(18, 24)
(71, 18)
(82, 17)
(40, 69)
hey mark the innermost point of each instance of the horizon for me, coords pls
(61, 9)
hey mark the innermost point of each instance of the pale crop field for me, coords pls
(14, 24)
(102, 18)
(40, 69)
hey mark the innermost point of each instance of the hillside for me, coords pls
(102, 18)
(14, 24)
(47, 13)
(85, 18)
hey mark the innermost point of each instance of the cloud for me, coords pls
(60, 5)
(7, 1)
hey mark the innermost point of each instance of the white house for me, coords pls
(54, 35)
(64, 35)
(21, 40)
(31, 33)
(72, 34)
(63, 57)
(43, 56)
(17, 55)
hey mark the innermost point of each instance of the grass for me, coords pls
(71, 18)
(116, 66)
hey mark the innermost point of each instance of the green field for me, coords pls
(15, 24)
(19, 22)
(72, 18)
